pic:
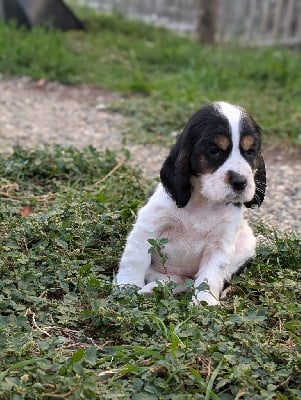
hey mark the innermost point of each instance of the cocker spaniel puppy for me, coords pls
(213, 171)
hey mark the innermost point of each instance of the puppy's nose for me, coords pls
(237, 181)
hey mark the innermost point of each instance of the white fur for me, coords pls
(214, 185)
(208, 240)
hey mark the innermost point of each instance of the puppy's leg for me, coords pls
(134, 262)
(245, 246)
(154, 277)
(220, 262)
(212, 275)
(135, 259)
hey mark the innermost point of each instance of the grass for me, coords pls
(64, 333)
(65, 214)
(163, 77)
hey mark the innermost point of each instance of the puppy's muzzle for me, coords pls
(237, 181)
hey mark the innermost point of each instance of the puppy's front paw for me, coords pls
(205, 296)
(148, 289)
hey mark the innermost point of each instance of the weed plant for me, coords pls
(66, 333)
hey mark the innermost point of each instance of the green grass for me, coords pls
(65, 334)
(164, 77)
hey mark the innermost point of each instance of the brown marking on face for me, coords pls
(227, 178)
(247, 142)
(222, 141)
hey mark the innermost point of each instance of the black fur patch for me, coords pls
(254, 158)
(195, 152)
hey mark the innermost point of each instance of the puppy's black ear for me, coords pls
(260, 182)
(175, 174)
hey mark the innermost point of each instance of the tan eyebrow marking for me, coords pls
(247, 142)
(222, 141)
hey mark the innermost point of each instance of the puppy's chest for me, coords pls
(194, 226)
(188, 230)
(186, 238)
(187, 235)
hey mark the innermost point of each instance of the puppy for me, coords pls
(213, 171)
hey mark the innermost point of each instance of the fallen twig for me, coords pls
(34, 323)
(104, 178)
(59, 396)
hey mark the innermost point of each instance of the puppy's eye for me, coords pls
(250, 152)
(214, 151)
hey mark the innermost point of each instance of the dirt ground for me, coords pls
(34, 113)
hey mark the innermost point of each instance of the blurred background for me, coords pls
(250, 22)
(164, 58)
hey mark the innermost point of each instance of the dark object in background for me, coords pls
(40, 12)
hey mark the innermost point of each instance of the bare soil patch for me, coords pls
(34, 113)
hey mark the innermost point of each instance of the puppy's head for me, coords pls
(220, 147)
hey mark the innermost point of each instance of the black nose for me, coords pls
(237, 181)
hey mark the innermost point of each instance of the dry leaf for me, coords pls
(25, 211)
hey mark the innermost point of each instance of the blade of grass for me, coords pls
(209, 393)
